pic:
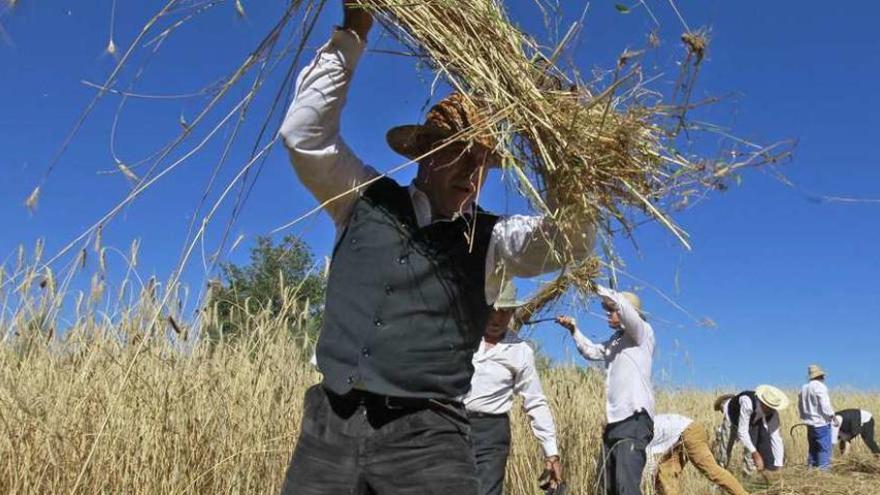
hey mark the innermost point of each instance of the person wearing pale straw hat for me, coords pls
(752, 418)
(629, 399)
(409, 289)
(504, 366)
(817, 413)
(679, 440)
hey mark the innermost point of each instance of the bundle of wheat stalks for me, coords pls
(580, 151)
(851, 475)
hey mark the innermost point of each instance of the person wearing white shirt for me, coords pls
(752, 418)
(816, 411)
(504, 366)
(409, 288)
(852, 423)
(629, 396)
(677, 441)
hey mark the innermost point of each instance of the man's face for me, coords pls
(613, 319)
(498, 322)
(451, 177)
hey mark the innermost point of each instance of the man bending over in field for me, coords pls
(677, 441)
(752, 418)
(409, 289)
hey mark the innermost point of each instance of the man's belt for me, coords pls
(378, 401)
(482, 415)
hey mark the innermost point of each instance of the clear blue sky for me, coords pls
(788, 281)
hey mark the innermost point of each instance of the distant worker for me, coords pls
(504, 365)
(752, 418)
(851, 423)
(677, 440)
(628, 356)
(816, 411)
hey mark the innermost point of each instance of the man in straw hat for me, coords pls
(752, 418)
(409, 289)
(677, 441)
(628, 357)
(816, 411)
(504, 365)
(852, 423)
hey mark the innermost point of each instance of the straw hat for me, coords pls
(719, 402)
(815, 371)
(507, 297)
(772, 397)
(453, 114)
(633, 299)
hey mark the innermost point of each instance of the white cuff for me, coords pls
(550, 448)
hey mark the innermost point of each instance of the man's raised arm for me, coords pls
(321, 159)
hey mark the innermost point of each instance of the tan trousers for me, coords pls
(693, 447)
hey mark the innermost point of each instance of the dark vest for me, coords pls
(851, 422)
(733, 407)
(405, 306)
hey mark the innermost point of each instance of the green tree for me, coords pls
(278, 279)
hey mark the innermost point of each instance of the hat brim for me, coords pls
(414, 141)
(509, 305)
(763, 390)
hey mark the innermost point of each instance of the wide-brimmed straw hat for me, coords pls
(815, 371)
(507, 297)
(452, 115)
(772, 397)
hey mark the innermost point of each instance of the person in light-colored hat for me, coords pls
(504, 366)
(816, 411)
(629, 406)
(410, 288)
(752, 418)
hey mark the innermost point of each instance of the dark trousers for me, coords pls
(355, 445)
(491, 437)
(819, 441)
(623, 454)
(761, 440)
(868, 437)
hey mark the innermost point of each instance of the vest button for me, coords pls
(365, 351)
(403, 260)
(389, 289)
(354, 240)
(377, 322)
(350, 379)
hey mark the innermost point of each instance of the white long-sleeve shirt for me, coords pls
(814, 404)
(505, 369)
(667, 432)
(772, 425)
(628, 357)
(330, 170)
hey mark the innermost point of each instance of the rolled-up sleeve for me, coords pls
(524, 246)
(528, 386)
(322, 160)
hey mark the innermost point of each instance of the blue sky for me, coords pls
(789, 281)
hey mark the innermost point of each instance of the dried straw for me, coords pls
(581, 152)
(850, 475)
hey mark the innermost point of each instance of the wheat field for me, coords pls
(124, 402)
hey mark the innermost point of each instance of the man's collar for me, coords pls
(422, 207)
